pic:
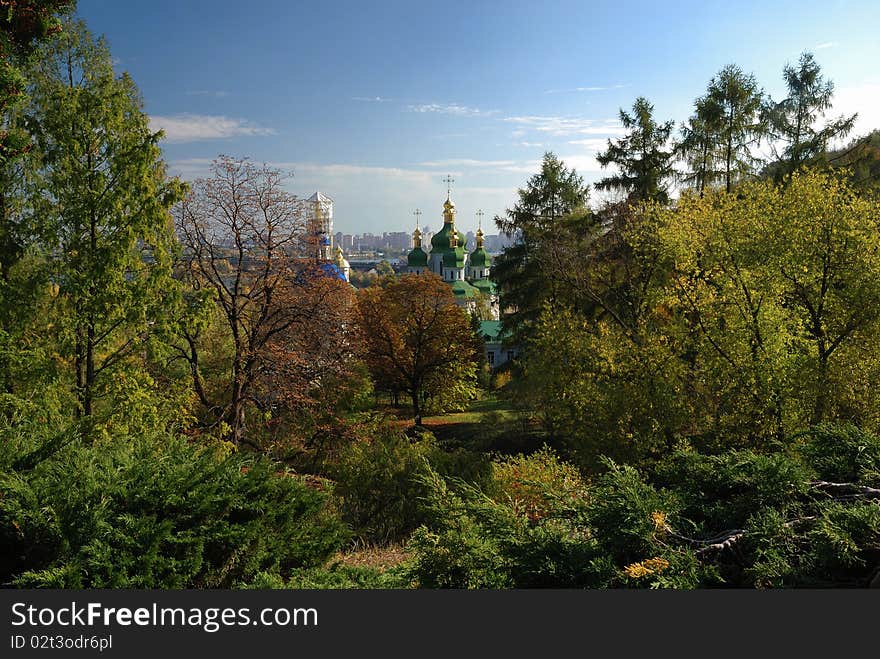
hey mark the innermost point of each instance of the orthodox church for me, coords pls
(467, 273)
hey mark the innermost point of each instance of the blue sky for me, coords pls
(374, 103)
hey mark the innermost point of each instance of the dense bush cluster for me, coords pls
(734, 519)
(154, 511)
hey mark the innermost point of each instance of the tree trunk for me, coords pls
(417, 406)
(236, 416)
(90, 370)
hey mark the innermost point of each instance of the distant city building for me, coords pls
(495, 243)
(396, 240)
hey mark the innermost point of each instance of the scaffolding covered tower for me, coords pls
(321, 225)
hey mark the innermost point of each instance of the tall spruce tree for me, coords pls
(642, 158)
(733, 102)
(699, 146)
(792, 121)
(106, 195)
(549, 197)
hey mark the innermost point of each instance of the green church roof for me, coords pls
(440, 240)
(485, 286)
(480, 258)
(453, 258)
(417, 258)
(462, 289)
(491, 330)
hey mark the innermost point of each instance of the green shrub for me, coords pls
(456, 551)
(535, 485)
(157, 512)
(626, 514)
(722, 491)
(376, 486)
(843, 453)
(525, 530)
(335, 577)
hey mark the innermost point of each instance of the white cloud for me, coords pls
(563, 126)
(827, 44)
(466, 162)
(592, 143)
(346, 170)
(377, 199)
(450, 108)
(370, 99)
(197, 127)
(584, 89)
(531, 144)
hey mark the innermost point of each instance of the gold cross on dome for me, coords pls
(448, 181)
(418, 214)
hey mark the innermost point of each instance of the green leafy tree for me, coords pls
(861, 159)
(105, 192)
(24, 24)
(642, 156)
(778, 293)
(793, 120)
(747, 317)
(384, 269)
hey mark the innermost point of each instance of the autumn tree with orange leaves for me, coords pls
(415, 338)
(310, 372)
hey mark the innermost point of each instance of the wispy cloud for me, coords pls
(466, 162)
(342, 170)
(370, 99)
(572, 90)
(450, 108)
(191, 168)
(827, 44)
(592, 143)
(530, 144)
(199, 127)
(208, 92)
(564, 126)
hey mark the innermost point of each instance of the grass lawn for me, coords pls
(489, 424)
